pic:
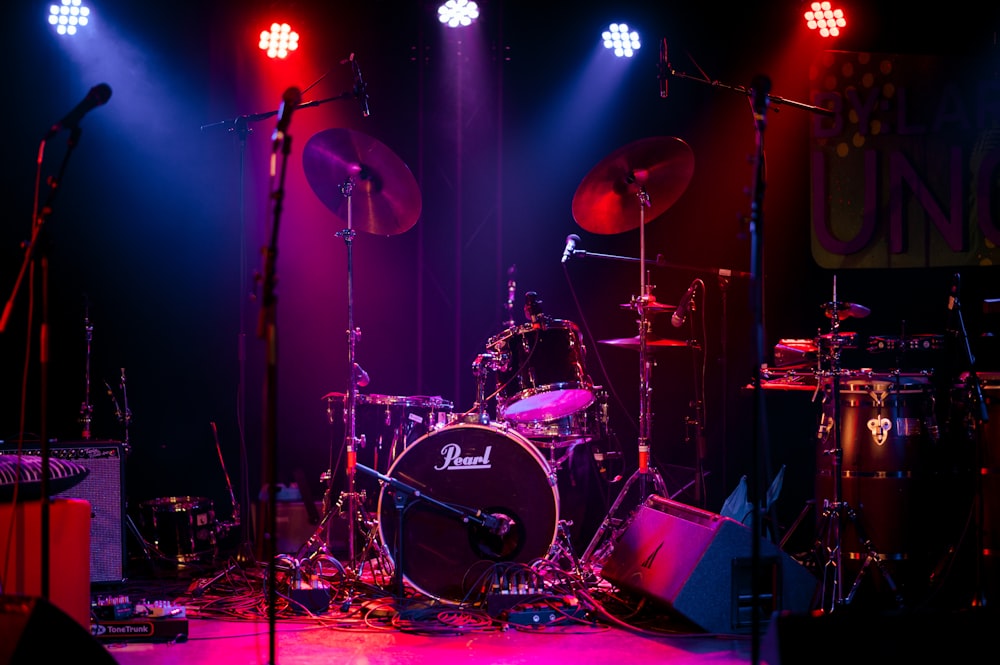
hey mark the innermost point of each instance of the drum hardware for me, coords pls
(828, 543)
(650, 173)
(605, 202)
(339, 164)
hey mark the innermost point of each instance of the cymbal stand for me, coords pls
(829, 539)
(351, 440)
(600, 545)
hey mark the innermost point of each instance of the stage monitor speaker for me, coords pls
(699, 565)
(33, 630)
(104, 488)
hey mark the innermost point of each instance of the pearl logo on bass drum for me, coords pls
(454, 460)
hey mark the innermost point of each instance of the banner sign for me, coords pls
(905, 172)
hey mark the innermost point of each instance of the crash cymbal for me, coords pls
(652, 342)
(607, 200)
(384, 197)
(846, 310)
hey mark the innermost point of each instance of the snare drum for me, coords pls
(580, 427)
(181, 528)
(541, 372)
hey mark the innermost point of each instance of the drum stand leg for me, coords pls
(611, 528)
(562, 550)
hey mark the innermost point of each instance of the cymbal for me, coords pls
(846, 310)
(651, 307)
(607, 200)
(652, 342)
(384, 197)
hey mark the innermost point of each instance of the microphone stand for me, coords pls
(981, 416)
(760, 97)
(267, 330)
(241, 127)
(36, 257)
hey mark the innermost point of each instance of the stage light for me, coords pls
(279, 40)
(69, 16)
(458, 13)
(619, 39)
(822, 17)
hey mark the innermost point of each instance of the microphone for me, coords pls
(361, 376)
(664, 66)
(289, 100)
(98, 95)
(953, 295)
(571, 241)
(360, 87)
(680, 314)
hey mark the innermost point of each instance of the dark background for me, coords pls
(158, 223)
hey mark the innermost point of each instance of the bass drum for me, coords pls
(468, 467)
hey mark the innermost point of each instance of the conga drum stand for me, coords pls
(835, 511)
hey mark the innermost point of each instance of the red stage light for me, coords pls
(279, 40)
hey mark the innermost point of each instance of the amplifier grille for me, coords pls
(104, 488)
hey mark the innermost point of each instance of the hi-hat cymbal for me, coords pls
(846, 310)
(384, 196)
(607, 200)
(651, 307)
(652, 342)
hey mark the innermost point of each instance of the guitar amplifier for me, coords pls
(104, 489)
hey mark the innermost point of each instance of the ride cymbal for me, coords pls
(384, 196)
(607, 200)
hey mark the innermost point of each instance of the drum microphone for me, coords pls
(680, 314)
(571, 241)
(360, 87)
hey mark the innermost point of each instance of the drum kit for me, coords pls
(460, 492)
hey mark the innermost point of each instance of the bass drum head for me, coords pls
(468, 468)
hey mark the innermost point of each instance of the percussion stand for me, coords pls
(829, 539)
(645, 474)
